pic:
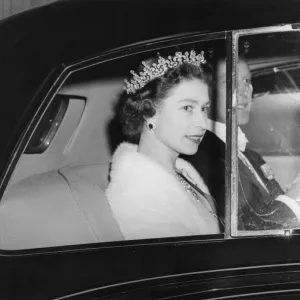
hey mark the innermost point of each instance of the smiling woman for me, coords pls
(165, 117)
(59, 79)
(152, 192)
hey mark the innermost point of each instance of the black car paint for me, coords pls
(167, 268)
(36, 47)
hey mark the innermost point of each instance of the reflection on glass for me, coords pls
(268, 186)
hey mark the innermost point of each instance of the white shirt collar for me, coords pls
(219, 129)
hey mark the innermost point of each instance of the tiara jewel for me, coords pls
(158, 69)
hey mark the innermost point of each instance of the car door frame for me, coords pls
(111, 268)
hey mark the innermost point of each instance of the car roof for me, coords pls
(122, 22)
(67, 30)
(35, 42)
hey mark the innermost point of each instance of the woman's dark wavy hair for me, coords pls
(141, 105)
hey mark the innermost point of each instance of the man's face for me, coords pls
(244, 92)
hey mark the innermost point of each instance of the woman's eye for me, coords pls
(188, 108)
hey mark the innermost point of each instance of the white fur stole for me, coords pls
(148, 201)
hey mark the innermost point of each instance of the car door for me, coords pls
(53, 248)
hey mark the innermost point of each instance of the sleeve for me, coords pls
(291, 203)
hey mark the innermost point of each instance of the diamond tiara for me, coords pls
(158, 69)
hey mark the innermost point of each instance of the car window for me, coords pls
(65, 201)
(52, 137)
(47, 129)
(276, 88)
(267, 91)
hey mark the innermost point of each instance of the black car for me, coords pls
(62, 68)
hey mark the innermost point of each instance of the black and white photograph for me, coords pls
(150, 149)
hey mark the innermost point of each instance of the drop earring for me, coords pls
(150, 126)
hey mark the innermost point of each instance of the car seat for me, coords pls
(58, 208)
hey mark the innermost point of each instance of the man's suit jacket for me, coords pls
(257, 208)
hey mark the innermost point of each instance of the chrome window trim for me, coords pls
(147, 46)
(232, 134)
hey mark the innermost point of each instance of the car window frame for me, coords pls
(62, 71)
(231, 125)
(46, 97)
(60, 75)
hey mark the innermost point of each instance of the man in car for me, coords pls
(262, 204)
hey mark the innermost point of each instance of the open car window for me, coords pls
(61, 199)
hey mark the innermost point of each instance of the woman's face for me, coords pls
(181, 118)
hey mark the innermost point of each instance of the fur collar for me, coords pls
(147, 201)
(126, 156)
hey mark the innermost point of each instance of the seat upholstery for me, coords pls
(88, 182)
(57, 208)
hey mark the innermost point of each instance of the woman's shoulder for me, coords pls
(133, 171)
(139, 184)
(128, 162)
(124, 152)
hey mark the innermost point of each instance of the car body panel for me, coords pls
(37, 47)
(52, 273)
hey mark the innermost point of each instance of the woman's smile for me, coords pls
(195, 138)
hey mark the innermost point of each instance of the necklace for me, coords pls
(187, 187)
(191, 191)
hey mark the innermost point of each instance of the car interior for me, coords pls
(55, 196)
(65, 183)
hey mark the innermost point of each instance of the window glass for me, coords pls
(268, 186)
(49, 126)
(52, 137)
(79, 198)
